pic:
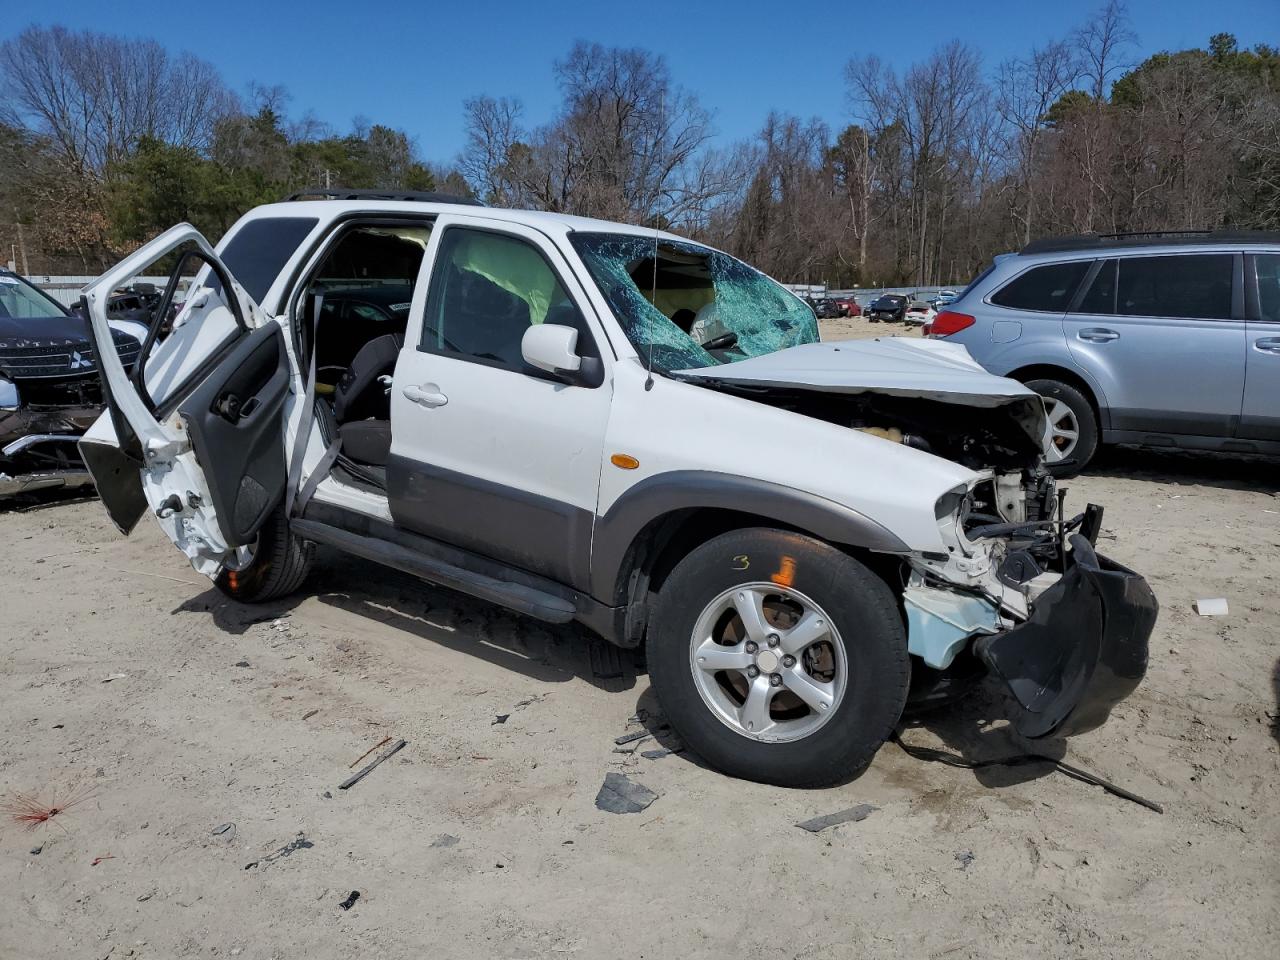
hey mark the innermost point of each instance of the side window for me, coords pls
(1196, 287)
(1267, 266)
(1101, 295)
(1048, 288)
(487, 289)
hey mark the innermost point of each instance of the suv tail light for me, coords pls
(948, 322)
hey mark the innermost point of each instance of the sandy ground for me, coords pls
(481, 839)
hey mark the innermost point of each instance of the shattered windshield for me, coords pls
(694, 307)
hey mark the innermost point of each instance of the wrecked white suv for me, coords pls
(585, 421)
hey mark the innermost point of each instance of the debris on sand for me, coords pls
(500, 719)
(852, 815)
(620, 794)
(381, 743)
(964, 858)
(300, 842)
(365, 771)
(445, 840)
(114, 676)
(31, 813)
(629, 737)
(309, 714)
(350, 902)
(1215, 607)
(222, 828)
(659, 754)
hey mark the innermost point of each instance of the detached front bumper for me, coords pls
(1083, 650)
(38, 448)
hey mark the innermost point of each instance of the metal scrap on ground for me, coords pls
(364, 771)
(620, 794)
(852, 815)
(300, 842)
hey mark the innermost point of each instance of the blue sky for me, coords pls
(410, 65)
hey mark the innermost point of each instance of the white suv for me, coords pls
(588, 421)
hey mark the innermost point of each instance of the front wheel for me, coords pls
(1073, 426)
(272, 566)
(778, 658)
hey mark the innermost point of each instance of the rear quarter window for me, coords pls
(1048, 288)
(1189, 286)
(258, 251)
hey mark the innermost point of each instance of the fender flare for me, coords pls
(665, 493)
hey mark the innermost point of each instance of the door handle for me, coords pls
(1097, 335)
(1267, 344)
(427, 395)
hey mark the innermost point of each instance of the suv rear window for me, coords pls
(1047, 288)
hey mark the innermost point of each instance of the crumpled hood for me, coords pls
(901, 366)
(892, 366)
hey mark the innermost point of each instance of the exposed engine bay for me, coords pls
(1008, 541)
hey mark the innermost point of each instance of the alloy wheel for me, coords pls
(768, 662)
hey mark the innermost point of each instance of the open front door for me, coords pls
(195, 432)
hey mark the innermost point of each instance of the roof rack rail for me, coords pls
(413, 196)
(1091, 241)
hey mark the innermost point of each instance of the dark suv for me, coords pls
(49, 388)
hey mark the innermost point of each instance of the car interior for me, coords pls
(488, 291)
(357, 308)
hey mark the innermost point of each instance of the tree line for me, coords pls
(106, 141)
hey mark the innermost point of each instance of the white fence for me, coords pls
(66, 290)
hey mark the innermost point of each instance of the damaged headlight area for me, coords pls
(1065, 629)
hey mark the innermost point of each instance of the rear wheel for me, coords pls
(1072, 423)
(273, 565)
(778, 658)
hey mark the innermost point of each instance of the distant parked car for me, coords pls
(827, 310)
(848, 307)
(919, 311)
(889, 308)
(1159, 340)
(944, 298)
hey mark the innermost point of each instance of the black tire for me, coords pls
(280, 563)
(866, 616)
(1087, 423)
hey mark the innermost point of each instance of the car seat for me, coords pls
(360, 402)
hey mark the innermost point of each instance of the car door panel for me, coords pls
(1160, 374)
(1260, 414)
(500, 460)
(210, 469)
(233, 420)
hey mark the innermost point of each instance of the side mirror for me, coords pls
(551, 347)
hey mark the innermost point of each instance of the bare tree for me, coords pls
(95, 95)
(626, 144)
(1101, 45)
(1025, 90)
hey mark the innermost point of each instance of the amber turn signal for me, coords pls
(625, 461)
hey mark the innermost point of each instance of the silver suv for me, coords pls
(1169, 340)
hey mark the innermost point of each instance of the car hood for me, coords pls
(41, 331)
(900, 366)
(888, 366)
